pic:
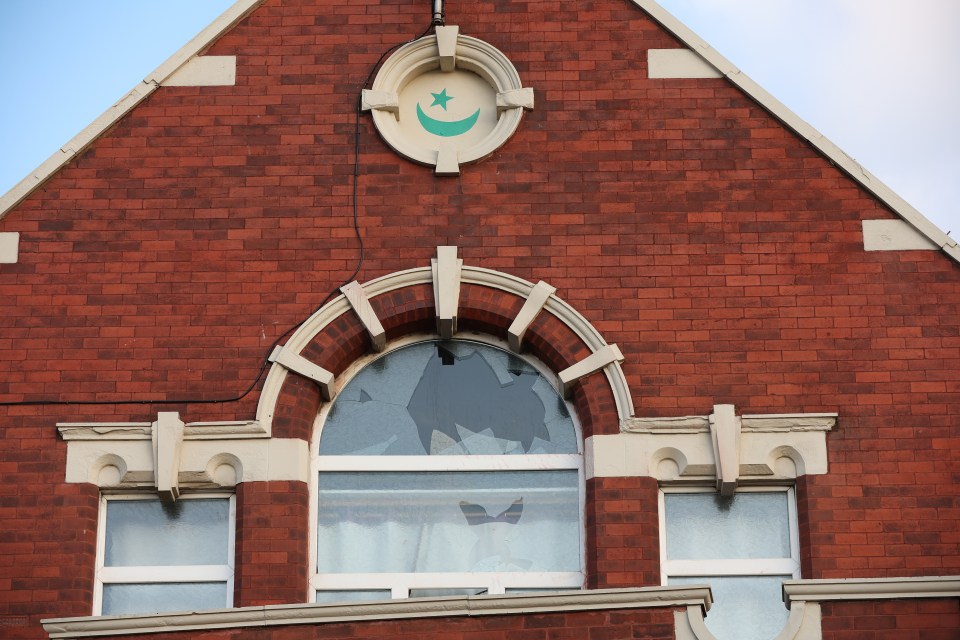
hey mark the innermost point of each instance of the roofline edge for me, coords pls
(79, 143)
(241, 8)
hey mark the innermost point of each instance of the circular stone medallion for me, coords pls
(447, 99)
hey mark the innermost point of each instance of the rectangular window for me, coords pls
(155, 557)
(744, 547)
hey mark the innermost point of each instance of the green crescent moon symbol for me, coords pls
(444, 128)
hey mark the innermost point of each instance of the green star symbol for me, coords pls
(441, 99)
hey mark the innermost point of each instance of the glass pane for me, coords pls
(356, 595)
(448, 398)
(404, 522)
(744, 607)
(704, 526)
(153, 533)
(119, 599)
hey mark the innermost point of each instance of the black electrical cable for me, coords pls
(266, 360)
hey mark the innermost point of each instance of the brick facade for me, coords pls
(716, 248)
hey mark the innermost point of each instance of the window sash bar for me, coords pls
(745, 567)
(149, 575)
(449, 463)
(494, 582)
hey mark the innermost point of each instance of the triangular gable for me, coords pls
(242, 8)
(78, 144)
(799, 126)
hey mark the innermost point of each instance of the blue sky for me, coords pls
(878, 77)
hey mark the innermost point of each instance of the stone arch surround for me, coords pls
(488, 302)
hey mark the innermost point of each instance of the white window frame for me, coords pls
(162, 574)
(729, 567)
(400, 584)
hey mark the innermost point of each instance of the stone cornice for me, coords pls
(283, 615)
(871, 589)
(761, 423)
(143, 430)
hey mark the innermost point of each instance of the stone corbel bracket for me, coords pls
(705, 449)
(170, 456)
(166, 435)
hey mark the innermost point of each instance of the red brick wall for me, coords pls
(48, 540)
(272, 543)
(720, 252)
(623, 542)
(891, 620)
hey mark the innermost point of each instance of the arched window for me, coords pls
(447, 467)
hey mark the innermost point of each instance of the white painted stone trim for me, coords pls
(446, 269)
(424, 275)
(205, 71)
(447, 47)
(725, 430)
(424, 55)
(678, 63)
(210, 456)
(894, 235)
(167, 439)
(514, 98)
(776, 108)
(448, 160)
(357, 298)
(803, 623)
(9, 247)
(772, 448)
(226, 21)
(871, 589)
(242, 7)
(698, 597)
(380, 100)
(532, 307)
(143, 430)
(599, 359)
(298, 364)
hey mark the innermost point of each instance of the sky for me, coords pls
(878, 77)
